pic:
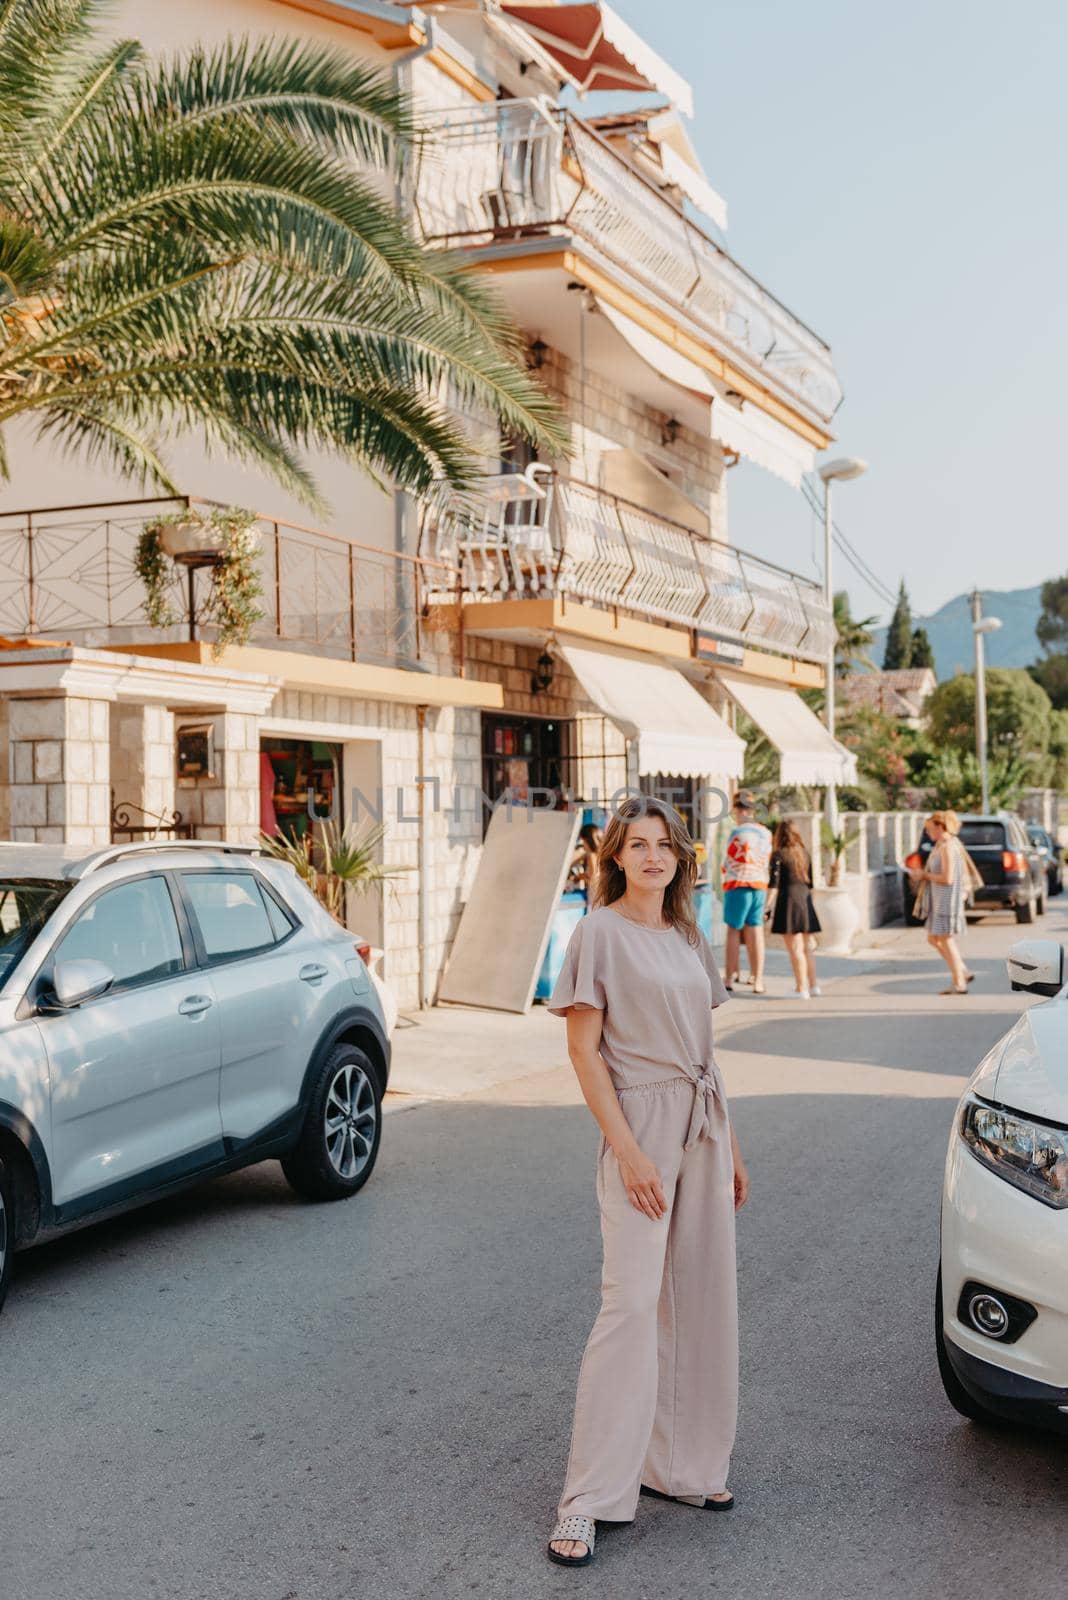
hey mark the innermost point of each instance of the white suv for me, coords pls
(1002, 1300)
(169, 1013)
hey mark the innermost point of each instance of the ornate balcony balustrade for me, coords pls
(538, 533)
(523, 168)
(69, 573)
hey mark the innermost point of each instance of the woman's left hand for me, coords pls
(741, 1183)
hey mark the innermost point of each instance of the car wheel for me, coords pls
(956, 1393)
(1056, 884)
(338, 1145)
(1040, 904)
(7, 1233)
(1025, 912)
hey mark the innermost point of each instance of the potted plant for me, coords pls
(225, 540)
(333, 860)
(834, 902)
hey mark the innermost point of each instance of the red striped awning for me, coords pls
(596, 50)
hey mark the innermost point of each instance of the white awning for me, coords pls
(807, 752)
(664, 360)
(693, 185)
(676, 730)
(596, 50)
(758, 437)
(749, 431)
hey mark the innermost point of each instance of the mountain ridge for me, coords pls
(949, 629)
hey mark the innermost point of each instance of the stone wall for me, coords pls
(603, 416)
(225, 805)
(59, 759)
(143, 760)
(451, 754)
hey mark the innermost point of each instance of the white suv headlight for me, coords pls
(1030, 1155)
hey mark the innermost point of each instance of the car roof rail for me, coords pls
(120, 852)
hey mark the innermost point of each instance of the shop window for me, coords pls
(299, 779)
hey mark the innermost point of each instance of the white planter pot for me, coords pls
(183, 539)
(839, 919)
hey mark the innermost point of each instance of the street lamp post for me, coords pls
(981, 626)
(843, 468)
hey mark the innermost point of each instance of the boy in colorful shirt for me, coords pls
(745, 889)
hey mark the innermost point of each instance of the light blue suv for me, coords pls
(169, 1013)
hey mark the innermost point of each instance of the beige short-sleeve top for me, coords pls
(657, 992)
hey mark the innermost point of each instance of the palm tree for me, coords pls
(203, 243)
(854, 637)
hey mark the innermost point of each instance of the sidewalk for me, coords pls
(446, 1052)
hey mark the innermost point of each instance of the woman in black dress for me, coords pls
(794, 915)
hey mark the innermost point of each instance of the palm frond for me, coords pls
(193, 246)
(304, 89)
(101, 435)
(94, 89)
(41, 48)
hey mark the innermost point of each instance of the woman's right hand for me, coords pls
(642, 1183)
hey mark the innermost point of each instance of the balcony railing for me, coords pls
(524, 168)
(538, 533)
(68, 573)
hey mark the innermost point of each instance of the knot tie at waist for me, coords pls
(706, 1089)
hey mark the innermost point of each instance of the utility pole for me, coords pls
(828, 590)
(978, 633)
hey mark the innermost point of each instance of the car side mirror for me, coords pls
(74, 982)
(1036, 965)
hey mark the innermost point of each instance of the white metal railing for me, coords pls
(525, 167)
(540, 533)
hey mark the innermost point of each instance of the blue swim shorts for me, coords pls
(744, 908)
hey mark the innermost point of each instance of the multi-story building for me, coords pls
(586, 625)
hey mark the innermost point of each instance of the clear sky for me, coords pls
(896, 174)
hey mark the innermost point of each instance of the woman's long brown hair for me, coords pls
(612, 880)
(790, 845)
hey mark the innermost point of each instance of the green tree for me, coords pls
(1018, 717)
(1052, 673)
(854, 637)
(921, 652)
(1058, 748)
(952, 779)
(1051, 670)
(1052, 624)
(898, 652)
(204, 244)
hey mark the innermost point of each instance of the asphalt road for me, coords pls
(241, 1395)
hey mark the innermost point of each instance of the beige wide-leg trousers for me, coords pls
(658, 1388)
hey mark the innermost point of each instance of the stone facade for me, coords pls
(605, 418)
(384, 754)
(142, 760)
(226, 804)
(59, 768)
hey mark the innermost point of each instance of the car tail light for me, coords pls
(363, 950)
(1013, 861)
(914, 862)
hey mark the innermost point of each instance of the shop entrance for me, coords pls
(300, 779)
(522, 753)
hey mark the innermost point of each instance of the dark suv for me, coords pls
(1012, 867)
(1050, 852)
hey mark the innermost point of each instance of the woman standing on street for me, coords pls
(794, 915)
(658, 1387)
(944, 884)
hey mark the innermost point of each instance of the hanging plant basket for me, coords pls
(228, 541)
(194, 539)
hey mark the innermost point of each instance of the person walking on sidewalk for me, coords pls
(657, 1394)
(794, 915)
(746, 865)
(944, 885)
